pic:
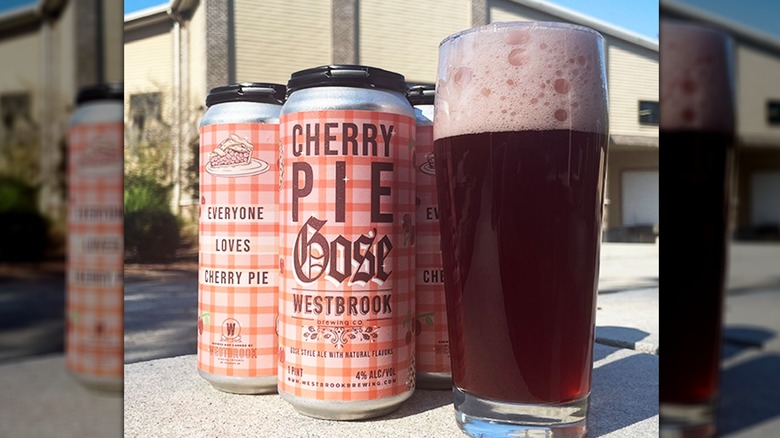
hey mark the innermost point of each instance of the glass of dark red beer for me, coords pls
(697, 133)
(521, 134)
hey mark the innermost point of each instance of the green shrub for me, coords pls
(143, 193)
(17, 196)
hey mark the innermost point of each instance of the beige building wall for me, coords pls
(507, 10)
(275, 38)
(22, 63)
(757, 83)
(632, 75)
(386, 42)
(197, 62)
(148, 61)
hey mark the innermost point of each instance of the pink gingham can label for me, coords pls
(430, 322)
(94, 311)
(346, 305)
(238, 230)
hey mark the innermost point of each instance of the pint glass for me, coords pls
(520, 144)
(697, 133)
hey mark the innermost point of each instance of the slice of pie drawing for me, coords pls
(232, 152)
(102, 155)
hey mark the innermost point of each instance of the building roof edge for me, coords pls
(738, 30)
(594, 23)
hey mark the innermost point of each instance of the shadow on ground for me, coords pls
(750, 393)
(32, 310)
(625, 392)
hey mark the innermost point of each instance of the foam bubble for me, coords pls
(517, 37)
(562, 86)
(696, 78)
(521, 61)
(518, 57)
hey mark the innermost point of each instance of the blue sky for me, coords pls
(7, 5)
(137, 5)
(760, 15)
(640, 16)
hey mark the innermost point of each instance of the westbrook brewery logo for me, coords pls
(231, 331)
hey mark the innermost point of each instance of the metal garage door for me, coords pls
(765, 198)
(640, 197)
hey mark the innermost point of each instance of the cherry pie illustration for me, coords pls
(233, 158)
(102, 155)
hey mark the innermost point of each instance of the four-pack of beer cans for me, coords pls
(320, 274)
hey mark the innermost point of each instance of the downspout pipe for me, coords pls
(178, 121)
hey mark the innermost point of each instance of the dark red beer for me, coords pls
(697, 169)
(520, 228)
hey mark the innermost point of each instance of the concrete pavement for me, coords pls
(167, 398)
(40, 399)
(750, 382)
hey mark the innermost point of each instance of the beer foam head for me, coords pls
(696, 78)
(521, 76)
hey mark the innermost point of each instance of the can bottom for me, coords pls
(434, 381)
(241, 385)
(103, 384)
(350, 410)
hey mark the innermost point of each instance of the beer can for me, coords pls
(238, 237)
(430, 318)
(94, 345)
(347, 258)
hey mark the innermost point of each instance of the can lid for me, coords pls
(343, 75)
(262, 92)
(421, 94)
(106, 91)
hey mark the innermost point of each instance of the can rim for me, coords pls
(422, 94)
(261, 92)
(346, 75)
(103, 91)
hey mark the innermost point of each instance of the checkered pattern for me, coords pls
(432, 351)
(247, 304)
(337, 377)
(94, 305)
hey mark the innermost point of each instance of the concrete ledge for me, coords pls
(166, 397)
(41, 399)
(629, 319)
